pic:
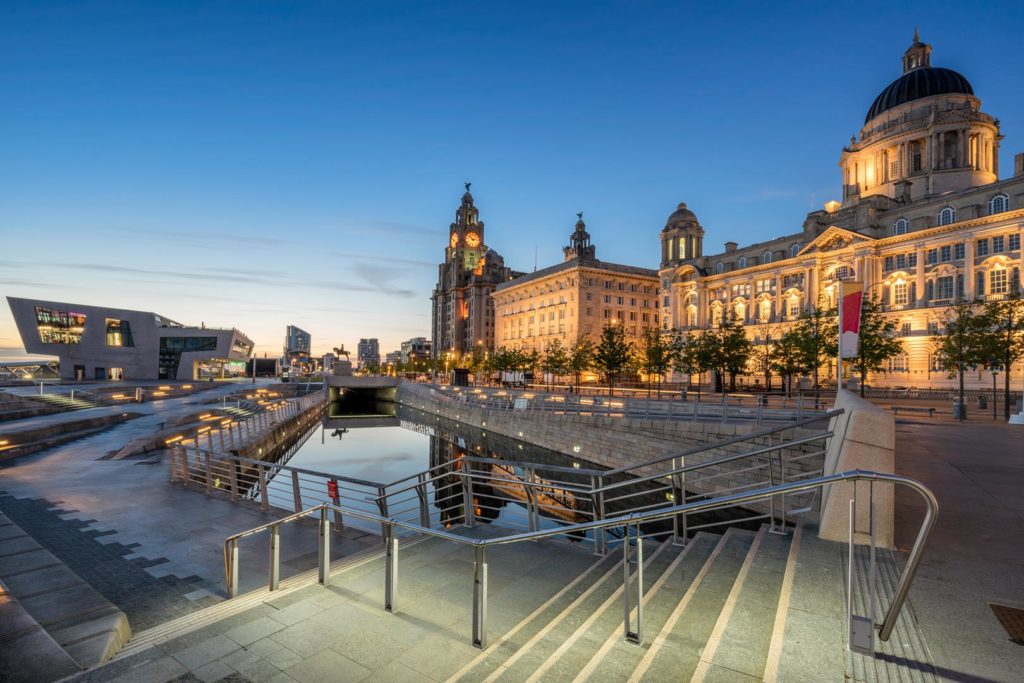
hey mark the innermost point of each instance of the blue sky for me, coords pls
(267, 163)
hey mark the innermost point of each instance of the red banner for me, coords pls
(332, 489)
(850, 299)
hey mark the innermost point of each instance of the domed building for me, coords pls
(923, 220)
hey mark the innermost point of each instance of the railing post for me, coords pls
(480, 597)
(296, 493)
(421, 494)
(324, 550)
(209, 477)
(467, 495)
(391, 570)
(678, 498)
(233, 464)
(264, 494)
(275, 557)
(860, 630)
(531, 499)
(382, 505)
(633, 636)
(231, 577)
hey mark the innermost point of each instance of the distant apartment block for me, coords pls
(297, 343)
(94, 342)
(417, 348)
(368, 352)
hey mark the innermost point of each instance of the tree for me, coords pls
(555, 360)
(580, 359)
(787, 358)
(1005, 338)
(762, 355)
(734, 349)
(964, 343)
(655, 356)
(876, 342)
(692, 355)
(613, 354)
(817, 337)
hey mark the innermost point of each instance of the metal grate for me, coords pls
(1012, 619)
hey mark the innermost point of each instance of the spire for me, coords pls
(918, 55)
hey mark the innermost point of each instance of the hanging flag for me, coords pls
(850, 299)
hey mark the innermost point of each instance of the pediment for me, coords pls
(834, 239)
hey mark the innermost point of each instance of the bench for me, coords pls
(913, 409)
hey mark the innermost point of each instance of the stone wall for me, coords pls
(611, 442)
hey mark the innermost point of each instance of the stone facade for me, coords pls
(575, 299)
(924, 219)
(463, 313)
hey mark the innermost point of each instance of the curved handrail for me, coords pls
(888, 623)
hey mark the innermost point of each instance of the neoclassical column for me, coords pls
(919, 272)
(969, 268)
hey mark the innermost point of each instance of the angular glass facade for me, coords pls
(59, 327)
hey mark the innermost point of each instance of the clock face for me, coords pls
(455, 240)
(472, 239)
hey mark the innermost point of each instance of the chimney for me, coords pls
(730, 246)
(1018, 164)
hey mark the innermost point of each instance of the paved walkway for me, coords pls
(976, 556)
(153, 549)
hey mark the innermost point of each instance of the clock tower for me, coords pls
(463, 313)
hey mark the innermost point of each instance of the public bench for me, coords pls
(913, 409)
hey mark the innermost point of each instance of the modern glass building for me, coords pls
(98, 343)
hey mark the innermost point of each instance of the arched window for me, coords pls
(719, 268)
(947, 215)
(900, 226)
(766, 257)
(999, 203)
(794, 250)
(742, 263)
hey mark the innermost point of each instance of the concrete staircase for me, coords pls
(742, 606)
(63, 402)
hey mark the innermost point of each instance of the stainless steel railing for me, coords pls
(625, 523)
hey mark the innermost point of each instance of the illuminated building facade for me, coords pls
(368, 352)
(575, 299)
(95, 343)
(463, 313)
(924, 219)
(297, 344)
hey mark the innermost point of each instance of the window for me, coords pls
(983, 247)
(946, 253)
(607, 299)
(894, 169)
(944, 288)
(899, 294)
(958, 251)
(842, 273)
(905, 330)
(119, 333)
(999, 204)
(766, 257)
(930, 256)
(912, 260)
(997, 245)
(1014, 242)
(742, 263)
(997, 281)
(794, 307)
(979, 284)
(933, 327)
(794, 250)
(901, 261)
(620, 300)
(719, 268)
(666, 302)
(900, 226)
(898, 363)
(888, 263)
(59, 327)
(947, 215)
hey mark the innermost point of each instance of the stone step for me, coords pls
(28, 654)
(88, 627)
(603, 595)
(574, 652)
(742, 635)
(617, 658)
(676, 650)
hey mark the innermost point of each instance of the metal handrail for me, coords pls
(625, 521)
(828, 415)
(710, 463)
